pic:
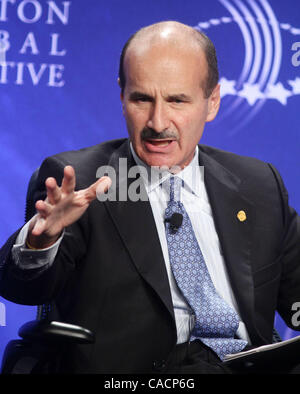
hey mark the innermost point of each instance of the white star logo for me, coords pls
(227, 87)
(278, 92)
(295, 85)
(251, 93)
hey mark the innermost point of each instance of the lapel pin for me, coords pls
(241, 216)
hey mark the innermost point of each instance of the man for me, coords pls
(109, 266)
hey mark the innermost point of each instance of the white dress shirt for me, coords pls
(195, 200)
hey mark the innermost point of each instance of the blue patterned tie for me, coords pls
(215, 321)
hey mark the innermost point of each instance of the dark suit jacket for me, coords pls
(110, 277)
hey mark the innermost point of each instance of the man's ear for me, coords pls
(213, 103)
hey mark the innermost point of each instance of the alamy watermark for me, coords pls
(296, 55)
(296, 315)
(2, 315)
(128, 184)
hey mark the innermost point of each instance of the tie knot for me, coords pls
(175, 188)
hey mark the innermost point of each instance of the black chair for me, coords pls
(43, 340)
(40, 349)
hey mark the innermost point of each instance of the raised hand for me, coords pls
(62, 207)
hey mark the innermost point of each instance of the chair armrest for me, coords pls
(55, 332)
(39, 349)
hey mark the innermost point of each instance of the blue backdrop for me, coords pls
(58, 88)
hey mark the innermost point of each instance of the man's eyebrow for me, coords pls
(136, 95)
(179, 97)
(139, 95)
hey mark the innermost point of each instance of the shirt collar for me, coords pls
(192, 174)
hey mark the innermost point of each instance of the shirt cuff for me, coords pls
(26, 259)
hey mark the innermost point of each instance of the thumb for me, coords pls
(100, 187)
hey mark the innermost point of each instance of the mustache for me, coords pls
(148, 133)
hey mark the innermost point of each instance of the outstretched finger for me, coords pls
(97, 188)
(43, 208)
(69, 180)
(38, 227)
(53, 191)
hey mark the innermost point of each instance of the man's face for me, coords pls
(164, 105)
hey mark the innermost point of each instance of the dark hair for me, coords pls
(210, 55)
(212, 63)
(122, 79)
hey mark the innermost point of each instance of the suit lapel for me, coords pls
(226, 198)
(135, 223)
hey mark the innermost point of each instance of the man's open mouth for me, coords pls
(159, 146)
(160, 142)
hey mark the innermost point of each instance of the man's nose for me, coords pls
(159, 118)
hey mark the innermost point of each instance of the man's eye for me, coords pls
(176, 100)
(140, 99)
(143, 99)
